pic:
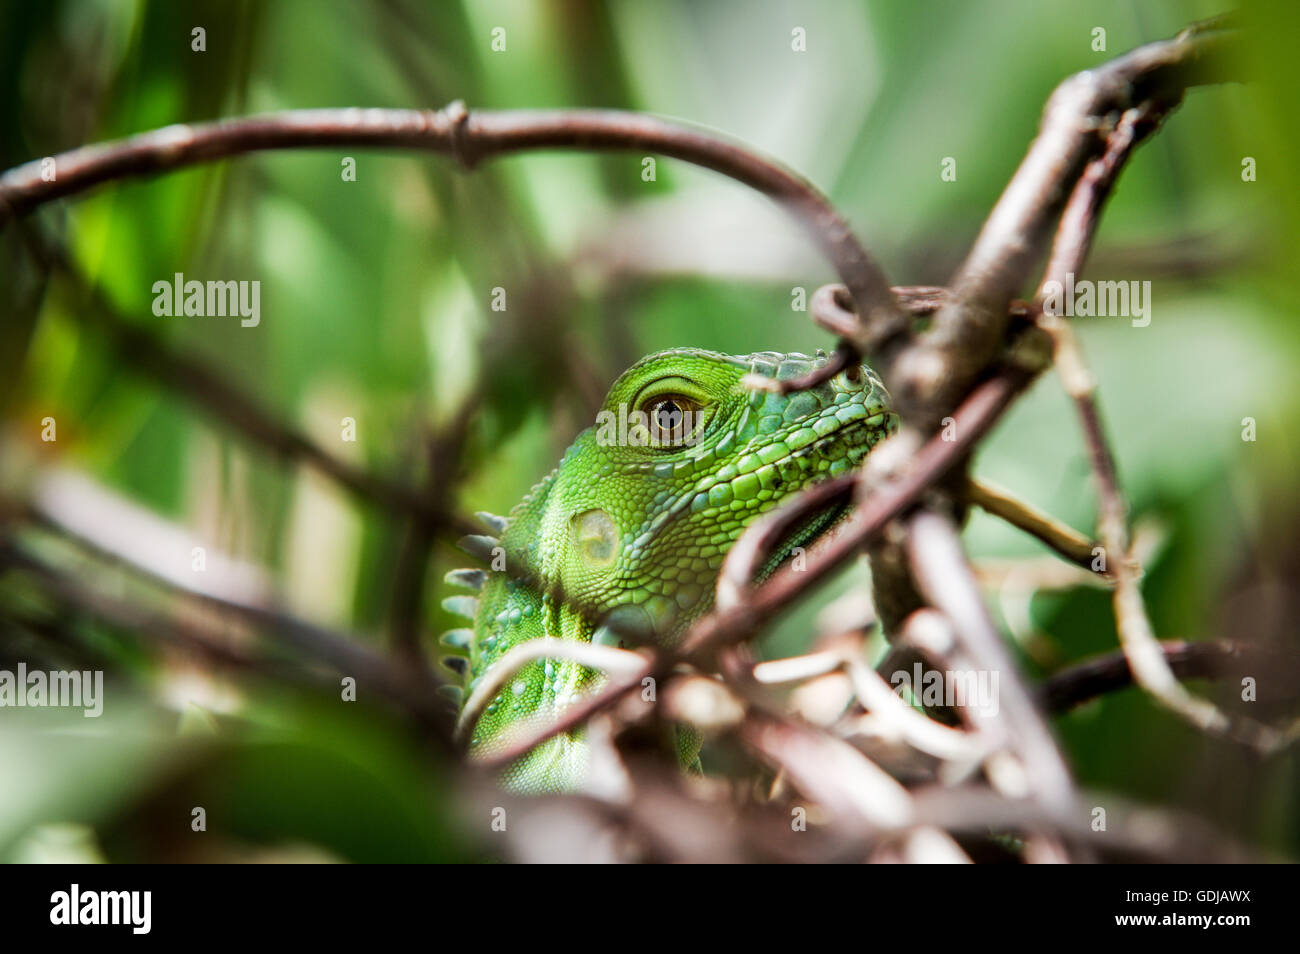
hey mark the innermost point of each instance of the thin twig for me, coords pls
(346, 655)
(1078, 224)
(1219, 659)
(620, 662)
(832, 309)
(194, 380)
(1137, 636)
(1060, 537)
(843, 359)
(1074, 237)
(756, 544)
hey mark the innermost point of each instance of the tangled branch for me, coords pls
(981, 350)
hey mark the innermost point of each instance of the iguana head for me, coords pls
(624, 540)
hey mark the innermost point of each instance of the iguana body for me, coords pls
(632, 527)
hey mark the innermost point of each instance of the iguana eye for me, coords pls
(672, 418)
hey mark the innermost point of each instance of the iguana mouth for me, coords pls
(821, 521)
(813, 529)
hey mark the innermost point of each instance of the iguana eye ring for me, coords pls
(672, 418)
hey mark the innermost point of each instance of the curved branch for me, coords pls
(934, 459)
(528, 737)
(472, 138)
(756, 544)
(1060, 537)
(620, 662)
(831, 308)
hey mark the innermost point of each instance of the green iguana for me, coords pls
(632, 527)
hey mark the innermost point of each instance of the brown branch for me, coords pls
(1220, 659)
(968, 331)
(472, 138)
(520, 743)
(832, 309)
(945, 577)
(934, 459)
(1078, 223)
(346, 655)
(1063, 539)
(1137, 636)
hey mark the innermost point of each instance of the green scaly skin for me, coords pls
(633, 533)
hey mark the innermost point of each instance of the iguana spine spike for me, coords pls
(479, 546)
(469, 579)
(497, 524)
(465, 606)
(457, 638)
